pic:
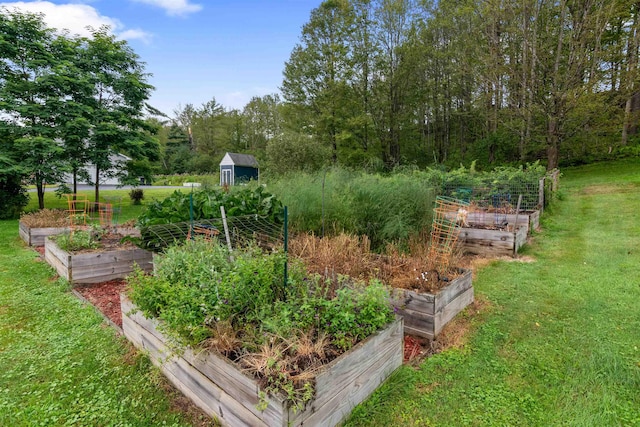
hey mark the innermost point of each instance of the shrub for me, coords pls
(13, 197)
(136, 195)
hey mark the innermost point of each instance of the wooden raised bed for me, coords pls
(222, 390)
(425, 314)
(492, 243)
(96, 266)
(529, 219)
(34, 236)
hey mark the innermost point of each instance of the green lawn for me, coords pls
(558, 342)
(125, 209)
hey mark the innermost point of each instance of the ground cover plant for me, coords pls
(59, 365)
(558, 343)
(241, 306)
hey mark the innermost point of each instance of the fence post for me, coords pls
(226, 228)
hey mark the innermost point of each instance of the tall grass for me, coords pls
(385, 208)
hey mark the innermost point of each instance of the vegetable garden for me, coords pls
(231, 280)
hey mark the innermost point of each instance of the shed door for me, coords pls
(226, 177)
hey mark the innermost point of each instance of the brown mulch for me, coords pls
(105, 297)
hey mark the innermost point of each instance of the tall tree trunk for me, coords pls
(632, 49)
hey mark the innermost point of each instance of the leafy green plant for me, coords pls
(199, 286)
(77, 240)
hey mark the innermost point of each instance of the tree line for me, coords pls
(383, 83)
(371, 84)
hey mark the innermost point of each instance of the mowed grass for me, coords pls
(123, 206)
(59, 362)
(560, 342)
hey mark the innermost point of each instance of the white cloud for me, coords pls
(76, 18)
(173, 7)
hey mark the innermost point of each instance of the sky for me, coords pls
(196, 50)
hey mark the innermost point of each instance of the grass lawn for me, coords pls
(123, 207)
(556, 342)
(560, 342)
(59, 363)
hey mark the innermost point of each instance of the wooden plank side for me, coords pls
(451, 310)
(344, 400)
(238, 385)
(118, 269)
(211, 398)
(344, 369)
(419, 302)
(449, 293)
(105, 257)
(38, 235)
(520, 239)
(57, 259)
(417, 323)
(218, 370)
(55, 251)
(23, 230)
(487, 242)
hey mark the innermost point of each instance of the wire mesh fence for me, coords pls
(503, 194)
(239, 231)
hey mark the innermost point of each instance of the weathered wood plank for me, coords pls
(353, 376)
(423, 311)
(342, 402)
(35, 236)
(450, 310)
(423, 303)
(206, 394)
(451, 292)
(491, 242)
(95, 267)
(418, 323)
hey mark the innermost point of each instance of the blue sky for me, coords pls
(196, 49)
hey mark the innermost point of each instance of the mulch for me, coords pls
(105, 296)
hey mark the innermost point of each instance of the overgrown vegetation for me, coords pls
(136, 195)
(559, 344)
(180, 208)
(45, 218)
(242, 307)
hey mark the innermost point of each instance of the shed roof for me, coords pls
(240, 159)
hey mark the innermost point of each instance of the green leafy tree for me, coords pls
(30, 96)
(119, 91)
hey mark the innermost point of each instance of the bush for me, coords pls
(13, 197)
(136, 195)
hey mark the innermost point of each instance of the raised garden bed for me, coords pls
(35, 236)
(221, 389)
(492, 241)
(425, 313)
(96, 265)
(529, 219)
